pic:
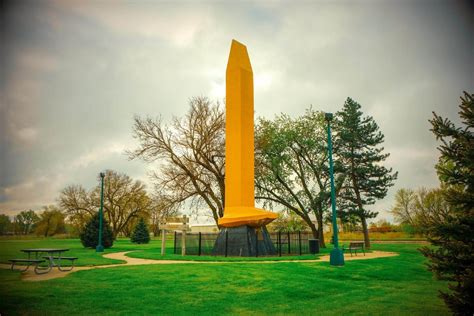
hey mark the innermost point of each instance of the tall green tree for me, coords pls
(288, 221)
(291, 167)
(453, 257)
(360, 156)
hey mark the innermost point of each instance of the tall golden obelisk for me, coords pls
(239, 148)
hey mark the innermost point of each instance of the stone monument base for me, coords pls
(243, 241)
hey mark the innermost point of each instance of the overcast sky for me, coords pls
(73, 75)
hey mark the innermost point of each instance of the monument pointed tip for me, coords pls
(236, 42)
(239, 56)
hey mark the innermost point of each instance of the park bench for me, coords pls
(354, 246)
(72, 259)
(35, 262)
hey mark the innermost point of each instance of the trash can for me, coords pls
(313, 246)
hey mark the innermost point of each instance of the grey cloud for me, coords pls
(77, 72)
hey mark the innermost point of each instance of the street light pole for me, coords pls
(336, 256)
(100, 247)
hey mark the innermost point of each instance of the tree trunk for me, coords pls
(361, 212)
(314, 231)
(366, 232)
(46, 231)
(312, 227)
(322, 244)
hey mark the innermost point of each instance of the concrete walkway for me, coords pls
(30, 275)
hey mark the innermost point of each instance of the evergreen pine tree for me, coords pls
(141, 234)
(359, 158)
(90, 234)
(453, 257)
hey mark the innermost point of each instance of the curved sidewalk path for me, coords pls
(30, 275)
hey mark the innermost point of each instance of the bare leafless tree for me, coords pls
(404, 209)
(161, 210)
(421, 208)
(189, 154)
(124, 201)
(78, 206)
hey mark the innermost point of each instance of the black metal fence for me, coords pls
(296, 243)
(198, 244)
(201, 244)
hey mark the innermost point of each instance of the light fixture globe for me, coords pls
(328, 116)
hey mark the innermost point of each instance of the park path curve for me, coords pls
(30, 275)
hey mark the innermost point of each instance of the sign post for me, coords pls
(176, 224)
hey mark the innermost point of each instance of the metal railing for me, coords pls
(202, 244)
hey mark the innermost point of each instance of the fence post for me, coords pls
(299, 240)
(163, 242)
(199, 250)
(279, 242)
(289, 247)
(256, 242)
(183, 243)
(174, 250)
(226, 240)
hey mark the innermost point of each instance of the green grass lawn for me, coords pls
(155, 253)
(393, 286)
(10, 249)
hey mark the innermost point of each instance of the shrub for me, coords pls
(90, 233)
(141, 234)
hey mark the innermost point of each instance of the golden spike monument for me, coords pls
(242, 222)
(239, 146)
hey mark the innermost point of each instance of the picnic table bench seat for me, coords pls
(35, 262)
(354, 246)
(72, 259)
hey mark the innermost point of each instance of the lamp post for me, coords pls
(336, 256)
(100, 247)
